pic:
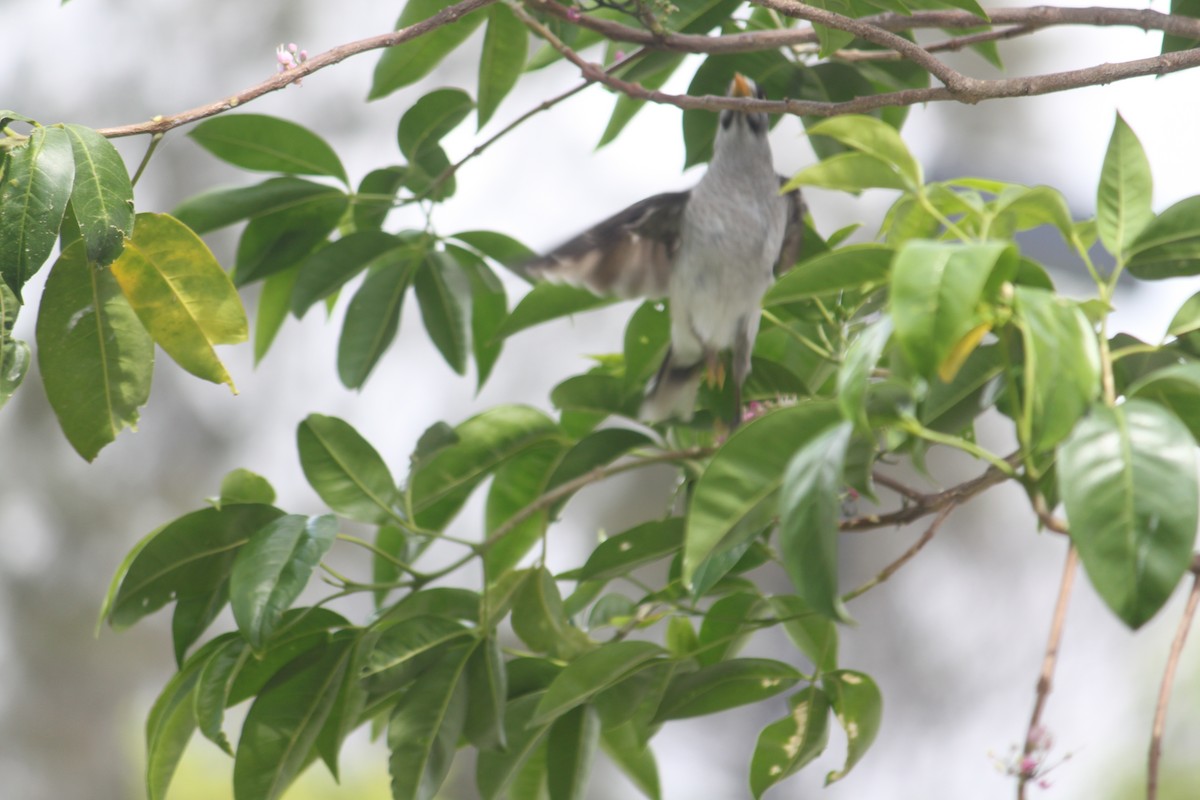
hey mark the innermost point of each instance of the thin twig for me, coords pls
(1164, 692)
(902, 489)
(1049, 661)
(953, 44)
(904, 558)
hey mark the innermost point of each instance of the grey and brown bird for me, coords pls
(712, 251)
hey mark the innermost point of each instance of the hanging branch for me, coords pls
(1164, 692)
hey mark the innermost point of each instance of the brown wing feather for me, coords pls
(628, 255)
(793, 234)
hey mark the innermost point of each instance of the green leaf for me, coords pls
(569, 751)
(936, 292)
(172, 720)
(725, 629)
(444, 294)
(538, 618)
(268, 144)
(498, 247)
(95, 357)
(376, 197)
(592, 673)
(547, 301)
(1169, 245)
(424, 729)
(951, 407)
(283, 723)
(411, 60)
(346, 471)
(429, 119)
(243, 486)
(858, 707)
(746, 473)
(407, 649)
(1062, 366)
(518, 482)
(35, 185)
(1128, 482)
(442, 482)
(858, 267)
(181, 295)
(489, 307)
(275, 242)
(809, 509)
(495, 769)
(487, 691)
(217, 208)
(301, 631)
(724, 685)
(813, 634)
(372, 319)
(874, 138)
(855, 373)
(326, 270)
(271, 570)
(633, 757)
(187, 557)
(621, 554)
(786, 746)
(273, 303)
(394, 542)
(1176, 387)
(505, 45)
(102, 196)
(848, 172)
(14, 353)
(212, 689)
(1123, 197)
(193, 614)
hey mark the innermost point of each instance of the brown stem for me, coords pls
(278, 81)
(904, 558)
(953, 44)
(1164, 692)
(1049, 661)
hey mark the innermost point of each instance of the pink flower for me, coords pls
(573, 14)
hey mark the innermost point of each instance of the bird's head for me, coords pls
(740, 124)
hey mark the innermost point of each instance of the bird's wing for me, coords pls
(628, 255)
(793, 232)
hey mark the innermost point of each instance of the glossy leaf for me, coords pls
(244, 486)
(424, 729)
(813, 634)
(726, 627)
(936, 290)
(213, 686)
(444, 295)
(283, 723)
(570, 747)
(855, 373)
(724, 685)
(621, 554)
(874, 138)
(633, 757)
(784, 747)
(271, 570)
(95, 357)
(281, 240)
(848, 172)
(102, 195)
(505, 45)
(858, 708)
(591, 673)
(181, 295)
(442, 483)
(1176, 387)
(809, 509)
(345, 470)
(1062, 366)
(407, 648)
(268, 144)
(861, 266)
(1123, 197)
(35, 186)
(429, 119)
(273, 303)
(489, 307)
(1169, 245)
(194, 613)
(188, 556)
(411, 60)
(547, 301)
(538, 618)
(498, 247)
(487, 691)
(1128, 482)
(328, 269)
(372, 319)
(745, 474)
(496, 769)
(218, 208)
(376, 196)
(14, 353)
(518, 482)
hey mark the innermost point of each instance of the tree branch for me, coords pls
(904, 558)
(1046, 678)
(1164, 692)
(276, 82)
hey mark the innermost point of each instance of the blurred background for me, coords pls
(955, 639)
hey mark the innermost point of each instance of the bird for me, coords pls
(712, 251)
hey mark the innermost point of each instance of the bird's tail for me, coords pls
(672, 393)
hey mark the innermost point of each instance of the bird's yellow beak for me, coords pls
(741, 86)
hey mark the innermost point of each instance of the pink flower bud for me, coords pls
(1029, 765)
(303, 56)
(292, 48)
(573, 14)
(619, 55)
(285, 59)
